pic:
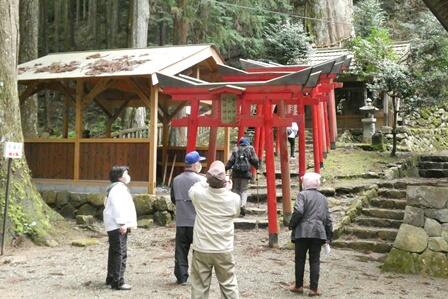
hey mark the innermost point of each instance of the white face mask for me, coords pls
(198, 167)
(126, 178)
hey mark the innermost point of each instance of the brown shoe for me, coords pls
(314, 293)
(294, 289)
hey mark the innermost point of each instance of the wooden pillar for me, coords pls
(78, 126)
(226, 143)
(332, 119)
(302, 140)
(323, 131)
(193, 126)
(270, 177)
(211, 156)
(65, 125)
(284, 165)
(152, 134)
(315, 117)
(257, 136)
(320, 132)
(327, 129)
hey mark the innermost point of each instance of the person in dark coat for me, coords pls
(185, 213)
(241, 173)
(311, 228)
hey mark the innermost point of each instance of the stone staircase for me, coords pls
(377, 226)
(435, 166)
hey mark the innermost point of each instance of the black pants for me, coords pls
(184, 238)
(313, 246)
(292, 142)
(116, 261)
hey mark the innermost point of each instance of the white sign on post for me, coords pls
(13, 150)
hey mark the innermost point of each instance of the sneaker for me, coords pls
(314, 293)
(123, 287)
(292, 157)
(294, 289)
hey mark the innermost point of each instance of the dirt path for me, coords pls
(72, 272)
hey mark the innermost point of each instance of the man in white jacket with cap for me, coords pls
(213, 234)
(119, 217)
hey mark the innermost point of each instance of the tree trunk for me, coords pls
(336, 23)
(138, 38)
(112, 23)
(28, 214)
(180, 23)
(56, 20)
(29, 35)
(69, 32)
(92, 20)
(394, 127)
(78, 12)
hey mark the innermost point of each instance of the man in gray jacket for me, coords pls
(311, 227)
(185, 213)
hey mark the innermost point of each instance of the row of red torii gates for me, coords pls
(248, 98)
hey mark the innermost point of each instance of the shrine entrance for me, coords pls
(248, 98)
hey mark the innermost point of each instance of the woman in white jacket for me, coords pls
(119, 217)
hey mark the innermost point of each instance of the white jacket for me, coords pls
(215, 209)
(294, 128)
(119, 208)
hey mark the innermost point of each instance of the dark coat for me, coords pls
(311, 217)
(249, 152)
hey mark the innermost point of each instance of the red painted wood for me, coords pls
(302, 141)
(193, 126)
(270, 171)
(327, 129)
(316, 148)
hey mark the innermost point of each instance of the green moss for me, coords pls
(399, 261)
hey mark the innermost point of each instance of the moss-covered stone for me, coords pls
(411, 238)
(163, 203)
(49, 197)
(162, 218)
(96, 199)
(67, 211)
(85, 242)
(399, 261)
(432, 263)
(84, 219)
(86, 209)
(145, 222)
(78, 199)
(62, 198)
(438, 244)
(143, 204)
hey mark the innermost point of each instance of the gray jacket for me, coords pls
(185, 212)
(311, 217)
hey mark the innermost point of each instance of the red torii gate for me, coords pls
(300, 86)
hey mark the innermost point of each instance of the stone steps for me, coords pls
(434, 158)
(392, 193)
(250, 222)
(388, 203)
(433, 173)
(374, 245)
(393, 185)
(383, 213)
(362, 232)
(378, 222)
(433, 165)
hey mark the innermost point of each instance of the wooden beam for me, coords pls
(152, 134)
(101, 86)
(78, 126)
(65, 124)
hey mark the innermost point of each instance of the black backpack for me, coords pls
(242, 163)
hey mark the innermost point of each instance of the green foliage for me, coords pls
(429, 59)
(394, 79)
(370, 51)
(287, 43)
(368, 15)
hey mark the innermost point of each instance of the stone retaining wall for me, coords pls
(149, 208)
(421, 245)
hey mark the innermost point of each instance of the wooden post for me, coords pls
(332, 119)
(211, 156)
(284, 165)
(226, 143)
(316, 149)
(270, 177)
(323, 130)
(302, 141)
(193, 126)
(320, 133)
(327, 129)
(152, 134)
(65, 125)
(78, 126)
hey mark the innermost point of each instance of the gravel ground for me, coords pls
(73, 272)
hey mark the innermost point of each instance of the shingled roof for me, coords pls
(440, 9)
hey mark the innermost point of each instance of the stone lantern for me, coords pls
(369, 120)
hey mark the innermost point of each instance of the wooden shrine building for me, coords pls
(113, 80)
